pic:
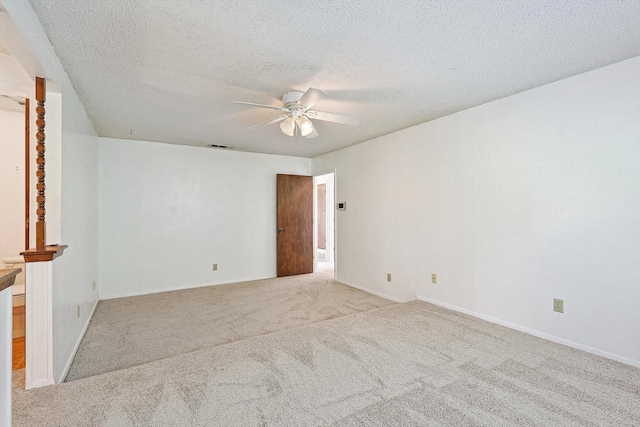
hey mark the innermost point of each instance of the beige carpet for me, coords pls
(403, 364)
(126, 332)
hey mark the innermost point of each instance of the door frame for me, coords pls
(334, 234)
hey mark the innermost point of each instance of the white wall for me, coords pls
(169, 212)
(11, 184)
(76, 271)
(72, 176)
(512, 203)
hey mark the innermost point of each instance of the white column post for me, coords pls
(39, 324)
(6, 330)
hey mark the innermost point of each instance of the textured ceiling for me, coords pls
(169, 70)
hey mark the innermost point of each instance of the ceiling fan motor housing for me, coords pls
(290, 99)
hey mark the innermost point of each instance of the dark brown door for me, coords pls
(295, 224)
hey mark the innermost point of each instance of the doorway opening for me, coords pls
(324, 224)
(16, 86)
(13, 207)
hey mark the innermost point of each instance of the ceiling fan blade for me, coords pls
(273, 107)
(270, 121)
(310, 97)
(313, 134)
(335, 118)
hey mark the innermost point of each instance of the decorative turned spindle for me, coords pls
(42, 252)
(41, 225)
(27, 173)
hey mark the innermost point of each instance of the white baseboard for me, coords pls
(65, 372)
(369, 291)
(535, 333)
(40, 383)
(175, 288)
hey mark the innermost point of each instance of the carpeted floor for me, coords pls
(126, 332)
(403, 364)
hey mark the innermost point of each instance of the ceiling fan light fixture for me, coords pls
(288, 126)
(306, 126)
(298, 114)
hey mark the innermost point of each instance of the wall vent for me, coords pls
(218, 146)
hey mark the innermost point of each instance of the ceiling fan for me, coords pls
(297, 113)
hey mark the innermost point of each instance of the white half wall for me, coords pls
(512, 203)
(169, 212)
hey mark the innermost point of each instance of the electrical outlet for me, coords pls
(215, 267)
(93, 286)
(388, 277)
(78, 311)
(434, 278)
(558, 305)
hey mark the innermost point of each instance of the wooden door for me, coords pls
(295, 224)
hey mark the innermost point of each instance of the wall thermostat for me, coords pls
(342, 206)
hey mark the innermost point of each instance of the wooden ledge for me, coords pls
(8, 277)
(48, 254)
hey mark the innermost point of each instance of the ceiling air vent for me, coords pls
(218, 146)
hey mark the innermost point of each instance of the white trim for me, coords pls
(177, 288)
(65, 372)
(334, 235)
(369, 291)
(314, 229)
(6, 325)
(535, 333)
(330, 217)
(40, 383)
(329, 171)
